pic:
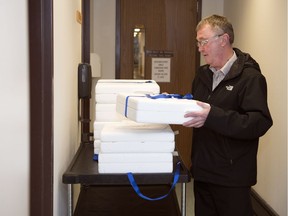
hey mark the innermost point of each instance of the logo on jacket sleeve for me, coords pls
(229, 88)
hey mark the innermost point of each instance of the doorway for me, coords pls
(169, 42)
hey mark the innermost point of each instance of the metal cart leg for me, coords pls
(183, 199)
(70, 199)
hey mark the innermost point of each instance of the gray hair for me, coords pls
(218, 23)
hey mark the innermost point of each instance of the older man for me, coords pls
(233, 94)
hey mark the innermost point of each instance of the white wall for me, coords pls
(261, 29)
(67, 56)
(14, 115)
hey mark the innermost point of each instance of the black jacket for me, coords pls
(224, 150)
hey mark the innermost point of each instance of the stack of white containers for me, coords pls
(106, 91)
(136, 147)
(123, 145)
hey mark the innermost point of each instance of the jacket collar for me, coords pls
(244, 60)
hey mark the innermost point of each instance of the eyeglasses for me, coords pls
(202, 43)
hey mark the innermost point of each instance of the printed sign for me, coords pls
(161, 69)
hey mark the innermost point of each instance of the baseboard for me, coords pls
(260, 207)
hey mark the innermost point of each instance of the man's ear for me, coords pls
(225, 39)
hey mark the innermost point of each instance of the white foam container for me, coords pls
(137, 147)
(134, 157)
(106, 90)
(132, 131)
(140, 108)
(160, 167)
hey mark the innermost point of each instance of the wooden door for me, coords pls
(169, 33)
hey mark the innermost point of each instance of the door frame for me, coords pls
(40, 21)
(41, 71)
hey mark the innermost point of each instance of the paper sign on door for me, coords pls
(161, 69)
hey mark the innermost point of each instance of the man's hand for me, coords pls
(198, 117)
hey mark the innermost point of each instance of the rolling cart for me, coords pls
(112, 194)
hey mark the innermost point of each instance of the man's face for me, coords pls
(209, 46)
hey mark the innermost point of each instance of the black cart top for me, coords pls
(84, 170)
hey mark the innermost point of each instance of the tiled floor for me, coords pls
(189, 198)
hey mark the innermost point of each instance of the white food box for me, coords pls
(134, 157)
(159, 167)
(106, 90)
(107, 112)
(143, 109)
(99, 125)
(96, 146)
(140, 132)
(137, 147)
